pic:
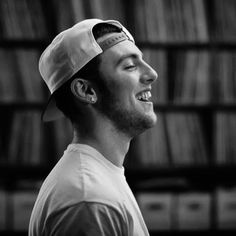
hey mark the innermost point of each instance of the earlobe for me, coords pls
(83, 90)
(93, 99)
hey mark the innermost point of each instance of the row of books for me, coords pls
(152, 20)
(22, 19)
(157, 20)
(225, 148)
(184, 20)
(31, 142)
(201, 77)
(179, 139)
(181, 21)
(69, 12)
(196, 77)
(170, 20)
(193, 77)
(161, 211)
(221, 24)
(20, 80)
(190, 210)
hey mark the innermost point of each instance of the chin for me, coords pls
(148, 122)
(153, 118)
(138, 123)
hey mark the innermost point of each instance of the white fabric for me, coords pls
(85, 194)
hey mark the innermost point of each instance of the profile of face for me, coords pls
(127, 81)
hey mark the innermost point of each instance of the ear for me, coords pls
(83, 90)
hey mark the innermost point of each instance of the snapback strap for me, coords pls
(113, 40)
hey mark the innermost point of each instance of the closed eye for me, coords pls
(130, 67)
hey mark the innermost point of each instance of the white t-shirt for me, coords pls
(86, 194)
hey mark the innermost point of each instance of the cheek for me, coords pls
(122, 86)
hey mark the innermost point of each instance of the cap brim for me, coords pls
(51, 112)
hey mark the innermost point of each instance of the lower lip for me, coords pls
(148, 102)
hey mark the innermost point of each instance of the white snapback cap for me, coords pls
(70, 51)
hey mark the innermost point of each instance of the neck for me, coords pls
(112, 144)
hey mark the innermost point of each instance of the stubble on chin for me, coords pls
(131, 123)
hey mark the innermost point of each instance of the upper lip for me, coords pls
(145, 90)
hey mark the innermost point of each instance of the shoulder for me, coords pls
(79, 177)
(88, 217)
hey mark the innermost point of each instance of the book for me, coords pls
(71, 12)
(11, 86)
(223, 77)
(150, 148)
(155, 21)
(171, 21)
(222, 27)
(202, 29)
(224, 142)
(192, 81)
(23, 83)
(203, 77)
(27, 140)
(186, 139)
(139, 24)
(103, 9)
(32, 83)
(22, 19)
(17, 133)
(67, 13)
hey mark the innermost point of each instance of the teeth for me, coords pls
(145, 96)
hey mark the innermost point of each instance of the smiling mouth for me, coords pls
(144, 96)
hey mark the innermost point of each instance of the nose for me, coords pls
(149, 75)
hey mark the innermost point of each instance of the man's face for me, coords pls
(127, 80)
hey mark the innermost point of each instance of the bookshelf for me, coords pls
(182, 167)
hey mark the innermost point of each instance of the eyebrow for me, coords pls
(131, 55)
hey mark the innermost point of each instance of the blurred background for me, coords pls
(182, 171)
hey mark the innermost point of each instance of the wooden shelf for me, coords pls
(193, 233)
(195, 107)
(22, 105)
(42, 43)
(158, 107)
(175, 179)
(203, 178)
(152, 233)
(15, 172)
(13, 233)
(24, 43)
(188, 45)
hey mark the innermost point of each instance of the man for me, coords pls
(99, 80)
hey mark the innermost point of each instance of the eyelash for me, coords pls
(130, 67)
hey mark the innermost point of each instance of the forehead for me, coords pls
(121, 50)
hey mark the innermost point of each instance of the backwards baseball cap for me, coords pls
(69, 52)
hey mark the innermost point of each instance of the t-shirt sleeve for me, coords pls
(87, 219)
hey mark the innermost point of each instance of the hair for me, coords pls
(63, 96)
